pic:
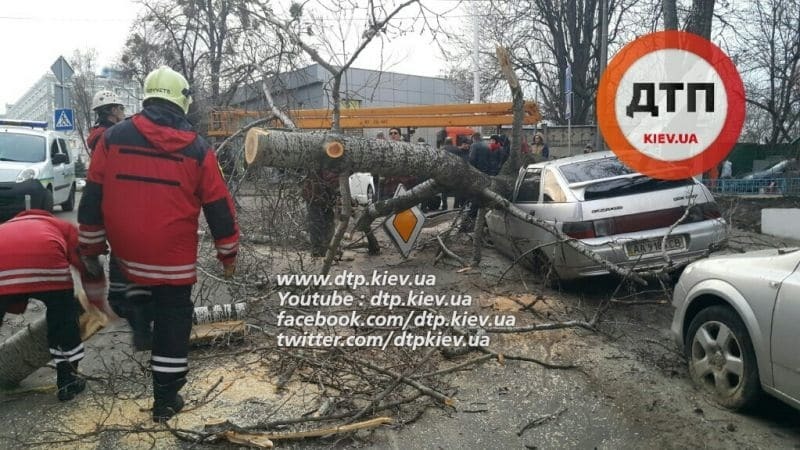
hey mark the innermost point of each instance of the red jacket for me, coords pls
(96, 132)
(148, 179)
(36, 250)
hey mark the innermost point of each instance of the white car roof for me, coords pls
(571, 159)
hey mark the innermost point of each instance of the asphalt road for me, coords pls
(71, 216)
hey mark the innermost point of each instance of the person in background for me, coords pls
(109, 111)
(150, 176)
(539, 146)
(320, 191)
(389, 184)
(727, 169)
(488, 158)
(36, 252)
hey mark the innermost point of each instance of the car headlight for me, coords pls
(27, 174)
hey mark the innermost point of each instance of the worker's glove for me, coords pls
(93, 265)
(229, 269)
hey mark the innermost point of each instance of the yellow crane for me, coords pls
(224, 123)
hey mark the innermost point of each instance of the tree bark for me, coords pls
(670, 8)
(514, 161)
(292, 150)
(700, 17)
(23, 353)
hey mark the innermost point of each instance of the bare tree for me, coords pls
(768, 55)
(216, 45)
(83, 89)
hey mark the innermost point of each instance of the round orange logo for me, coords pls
(671, 105)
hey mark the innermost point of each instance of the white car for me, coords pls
(362, 188)
(623, 216)
(35, 163)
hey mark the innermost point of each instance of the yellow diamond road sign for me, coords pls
(404, 227)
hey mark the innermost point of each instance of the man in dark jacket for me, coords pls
(148, 180)
(487, 158)
(36, 252)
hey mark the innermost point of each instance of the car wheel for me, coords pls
(541, 265)
(721, 358)
(370, 195)
(69, 205)
(47, 202)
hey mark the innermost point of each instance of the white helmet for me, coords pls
(104, 98)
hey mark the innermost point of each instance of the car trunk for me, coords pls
(638, 203)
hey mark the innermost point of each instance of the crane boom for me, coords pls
(225, 122)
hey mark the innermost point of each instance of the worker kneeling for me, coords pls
(36, 251)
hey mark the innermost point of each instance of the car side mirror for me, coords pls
(59, 158)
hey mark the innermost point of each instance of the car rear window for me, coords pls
(594, 169)
(603, 171)
(21, 147)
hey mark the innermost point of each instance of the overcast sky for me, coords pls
(34, 33)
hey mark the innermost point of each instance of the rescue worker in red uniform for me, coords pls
(109, 110)
(36, 251)
(149, 178)
(128, 300)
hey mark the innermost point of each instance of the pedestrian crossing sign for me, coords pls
(64, 120)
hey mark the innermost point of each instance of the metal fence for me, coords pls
(762, 186)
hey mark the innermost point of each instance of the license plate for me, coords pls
(648, 246)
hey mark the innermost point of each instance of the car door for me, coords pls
(62, 175)
(786, 336)
(511, 234)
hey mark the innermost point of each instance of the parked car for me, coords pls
(35, 163)
(362, 188)
(620, 214)
(774, 171)
(736, 317)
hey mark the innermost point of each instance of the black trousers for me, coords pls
(63, 334)
(172, 325)
(132, 302)
(320, 225)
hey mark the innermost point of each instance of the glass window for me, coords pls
(22, 147)
(551, 190)
(64, 148)
(594, 169)
(529, 188)
(54, 148)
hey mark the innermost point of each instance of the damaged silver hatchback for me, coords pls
(620, 214)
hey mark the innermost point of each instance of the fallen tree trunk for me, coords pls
(27, 350)
(23, 353)
(345, 154)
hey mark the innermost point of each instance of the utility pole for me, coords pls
(598, 139)
(476, 75)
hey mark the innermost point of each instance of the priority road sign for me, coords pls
(404, 227)
(63, 120)
(62, 70)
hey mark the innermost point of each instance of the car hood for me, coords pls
(9, 170)
(783, 259)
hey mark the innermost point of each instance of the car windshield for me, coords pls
(606, 173)
(21, 147)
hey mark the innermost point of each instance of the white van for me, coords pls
(35, 162)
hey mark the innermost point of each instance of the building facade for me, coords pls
(310, 88)
(40, 101)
